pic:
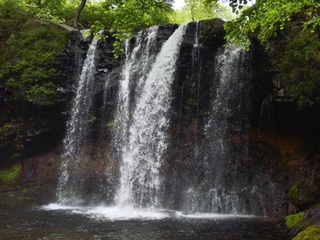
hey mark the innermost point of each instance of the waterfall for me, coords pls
(136, 68)
(142, 127)
(230, 113)
(178, 137)
(78, 128)
(196, 62)
(216, 189)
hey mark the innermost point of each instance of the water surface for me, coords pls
(102, 223)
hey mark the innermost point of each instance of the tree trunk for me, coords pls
(77, 17)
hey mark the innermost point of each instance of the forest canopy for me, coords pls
(288, 31)
(31, 36)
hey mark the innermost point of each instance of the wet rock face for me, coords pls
(213, 34)
(194, 79)
(306, 193)
(29, 129)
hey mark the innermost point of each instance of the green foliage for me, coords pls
(127, 16)
(9, 128)
(43, 94)
(310, 233)
(123, 17)
(295, 220)
(195, 10)
(9, 175)
(298, 65)
(235, 5)
(289, 32)
(294, 192)
(28, 49)
(56, 11)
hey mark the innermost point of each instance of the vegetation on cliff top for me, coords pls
(27, 58)
(196, 10)
(31, 37)
(289, 31)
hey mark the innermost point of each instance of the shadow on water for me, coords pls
(73, 224)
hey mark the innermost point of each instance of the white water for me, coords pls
(77, 126)
(125, 213)
(229, 115)
(137, 66)
(197, 63)
(145, 137)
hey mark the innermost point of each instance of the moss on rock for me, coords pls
(295, 220)
(310, 233)
(294, 193)
(9, 175)
(306, 193)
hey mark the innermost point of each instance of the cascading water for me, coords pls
(69, 189)
(136, 67)
(207, 177)
(142, 136)
(230, 112)
(196, 61)
(172, 145)
(216, 189)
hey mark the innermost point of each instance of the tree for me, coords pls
(78, 12)
(126, 16)
(196, 10)
(28, 48)
(235, 5)
(289, 31)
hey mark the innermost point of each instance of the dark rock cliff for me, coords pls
(37, 129)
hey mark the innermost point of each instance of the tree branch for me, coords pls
(78, 12)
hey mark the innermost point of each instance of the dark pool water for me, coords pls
(69, 224)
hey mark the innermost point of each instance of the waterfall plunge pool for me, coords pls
(54, 222)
